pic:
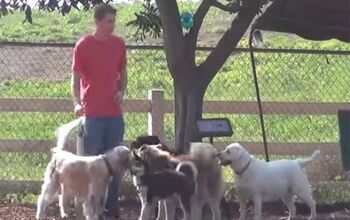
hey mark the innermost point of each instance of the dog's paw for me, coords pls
(64, 215)
(287, 218)
(38, 216)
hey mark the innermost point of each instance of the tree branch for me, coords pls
(192, 36)
(229, 41)
(172, 34)
(231, 7)
(199, 16)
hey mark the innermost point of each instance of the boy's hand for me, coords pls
(119, 96)
(78, 110)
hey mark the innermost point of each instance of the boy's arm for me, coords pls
(121, 85)
(77, 69)
(123, 81)
(75, 88)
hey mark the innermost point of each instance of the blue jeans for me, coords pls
(101, 134)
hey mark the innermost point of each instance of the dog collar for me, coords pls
(108, 165)
(244, 168)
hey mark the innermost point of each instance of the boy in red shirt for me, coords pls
(98, 85)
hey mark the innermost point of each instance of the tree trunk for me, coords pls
(191, 81)
(189, 94)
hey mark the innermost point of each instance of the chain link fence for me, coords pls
(299, 87)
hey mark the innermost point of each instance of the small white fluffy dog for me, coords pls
(260, 181)
(83, 177)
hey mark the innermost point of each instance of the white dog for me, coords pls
(83, 177)
(260, 181)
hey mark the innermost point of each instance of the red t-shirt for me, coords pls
(99, 63)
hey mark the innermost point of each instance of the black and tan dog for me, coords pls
(210, 188)
(162, 184)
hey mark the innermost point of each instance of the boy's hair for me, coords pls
(102, 9)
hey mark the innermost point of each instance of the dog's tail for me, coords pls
(51, 168)
(63, 132)
(203, 153)
(188, 168)
(304, 162)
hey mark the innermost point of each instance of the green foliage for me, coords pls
(147, 22)
(52, 27)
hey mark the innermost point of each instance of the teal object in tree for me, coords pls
(187, 20)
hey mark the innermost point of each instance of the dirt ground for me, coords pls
(35, 63)
(130, 211)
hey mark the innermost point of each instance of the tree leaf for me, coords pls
(147, 22)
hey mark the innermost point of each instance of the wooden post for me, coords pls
(156, 114)
(156, 127)
(344, 137)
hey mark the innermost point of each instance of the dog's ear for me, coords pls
(143, 151)
(166, 148)
(155, 139)
(143, 148)
(159, 146)
(136, 156)
(173, 162)
(134, 145)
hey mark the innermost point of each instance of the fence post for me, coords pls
(344, 137)
(156, 114)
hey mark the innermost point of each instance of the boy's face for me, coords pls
(106, 24)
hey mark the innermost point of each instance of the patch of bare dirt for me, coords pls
(130, 211)
(35, 63)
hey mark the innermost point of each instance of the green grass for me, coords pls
(282, 77)
(53, 27)
(42, 126)
(34, 88)
(246, 127)
(23, 166)
(287, 77)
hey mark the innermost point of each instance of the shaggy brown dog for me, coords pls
(83, 177)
